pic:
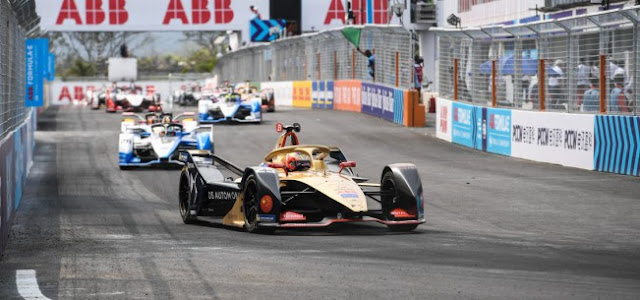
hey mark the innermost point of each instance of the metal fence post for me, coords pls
(455, 79)
(494, 100)
(541, 86)
(397, 69)
(603, 83)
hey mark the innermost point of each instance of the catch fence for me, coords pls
(587, 63)
(12, 71)
(325, 55)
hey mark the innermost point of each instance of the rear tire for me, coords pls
(184, 196)
(250, 204)
(392, 201)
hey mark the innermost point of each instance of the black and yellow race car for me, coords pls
(296, 186)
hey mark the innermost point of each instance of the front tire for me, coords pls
(250, 207)
(392, 201)
(184, 197)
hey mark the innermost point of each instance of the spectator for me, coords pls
(254, 13)
(418, 65)
(617, 99)
(556, 84)
(583, 78)
(592, 96)
(371, 64)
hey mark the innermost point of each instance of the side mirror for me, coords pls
(183, 157)
(347, 164)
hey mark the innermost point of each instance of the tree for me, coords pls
(94, 47)
(204, 39)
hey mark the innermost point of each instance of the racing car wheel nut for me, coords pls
(266, 204)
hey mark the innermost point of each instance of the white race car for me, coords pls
(158, 138)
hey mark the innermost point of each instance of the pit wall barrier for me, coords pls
(591, 142)
(392, 104)
(16, 159)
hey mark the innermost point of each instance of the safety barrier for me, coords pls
(592, 142)
(16, 153)
(389, 103)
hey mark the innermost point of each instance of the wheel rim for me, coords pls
(184, 197)
(388, 201)
(250, 206)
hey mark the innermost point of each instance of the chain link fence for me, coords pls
(12, 71)
(580, 64)
(326, 55)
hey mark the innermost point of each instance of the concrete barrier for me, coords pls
(593, 142)
(16, 158)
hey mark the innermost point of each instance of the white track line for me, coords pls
(28, 285)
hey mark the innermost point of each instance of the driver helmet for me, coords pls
(297, 161)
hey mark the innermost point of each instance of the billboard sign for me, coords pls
(559, 138)
(36, 61)
(147, 15)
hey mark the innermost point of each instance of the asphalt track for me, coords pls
(497, 227)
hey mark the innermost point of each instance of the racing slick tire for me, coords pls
(126, 168)
(391, 201)
(184, 201)
(250, 205)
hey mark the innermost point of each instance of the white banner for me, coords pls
(443, 119)
(75, 92)
(148, 15)
(319, 15)
(559, 138)
(282, 92)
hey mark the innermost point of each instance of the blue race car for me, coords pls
(231, 107)
(160, 143)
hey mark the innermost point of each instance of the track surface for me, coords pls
(497, 228)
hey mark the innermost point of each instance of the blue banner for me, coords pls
(617, 144)
(322, 94)
(266, 30)
(375, 98)
(464, 125)
(387, 95)
(328, 100)
(497, 136)
(51, 67)
(37, 57)
(398, 106)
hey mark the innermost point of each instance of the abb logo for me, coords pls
(336, 11)
(95, 13)
(200, 13)
(78, 93)
(444, 115)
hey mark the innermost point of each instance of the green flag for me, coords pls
(352, 35)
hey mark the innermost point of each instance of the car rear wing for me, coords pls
(204, 157)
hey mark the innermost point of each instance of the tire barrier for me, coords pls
(592, 142)
(16, 154)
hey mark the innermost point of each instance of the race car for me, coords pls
(97, 98)
(188, 96)
(296, 186)
(131, 99)
(268, 100)
(157, 139)
(230, 107)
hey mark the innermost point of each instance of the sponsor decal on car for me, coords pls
(222, 195)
